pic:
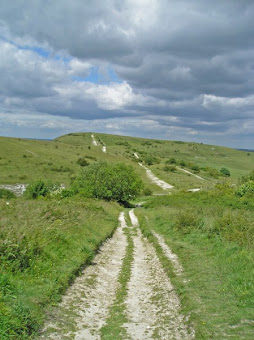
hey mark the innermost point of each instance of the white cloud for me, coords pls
(79, 68)
(184, 64)
(112, 97)
(210, 101)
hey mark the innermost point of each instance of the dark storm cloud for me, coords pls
(192, 60)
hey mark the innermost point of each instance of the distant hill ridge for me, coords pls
(24, 160)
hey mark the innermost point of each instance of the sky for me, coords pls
(167, 69)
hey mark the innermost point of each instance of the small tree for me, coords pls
(109, 181)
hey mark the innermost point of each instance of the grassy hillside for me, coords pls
(23, 161)
(43, 246)
(213, 236)
(44, 242)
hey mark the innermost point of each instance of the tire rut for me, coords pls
(85, 307)
(152, 305)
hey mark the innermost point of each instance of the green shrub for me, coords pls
(246, 188)
(82, 161)
(212, 172)
(187, 221)
(40, 189)
(108, 181)
(171, 168)
(195, 168)
(171, 160)
(182, 162)
(150, 160)
(225, 172)
(235, 226)
(4, 193)
(247, 178)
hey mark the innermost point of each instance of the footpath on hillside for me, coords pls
(124, 294)
(95, 143)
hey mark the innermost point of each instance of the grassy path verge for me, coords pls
(44, 245)
(215, 288)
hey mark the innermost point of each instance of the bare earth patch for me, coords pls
(84, 309)
(17, 189)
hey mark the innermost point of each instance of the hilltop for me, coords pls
(24, 160)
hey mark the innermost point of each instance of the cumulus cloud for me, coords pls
(211, 101)
(177, 65)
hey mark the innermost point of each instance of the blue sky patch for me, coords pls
(96, 77)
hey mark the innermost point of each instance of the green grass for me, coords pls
(44, 244)
(23, 160)
(215, 246)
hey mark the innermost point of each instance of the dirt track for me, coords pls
(151, 306)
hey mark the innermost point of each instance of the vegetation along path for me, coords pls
(124, 294)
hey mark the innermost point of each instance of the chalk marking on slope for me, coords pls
(94, 141)
(32, 153)
(162, 184)
(190, 173)
(194, 190)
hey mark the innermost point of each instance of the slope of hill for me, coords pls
(23, 160)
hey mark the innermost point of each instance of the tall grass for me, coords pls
(214, 241)
(43, 245)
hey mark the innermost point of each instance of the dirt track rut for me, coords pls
(86, 304)
(151, 305)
